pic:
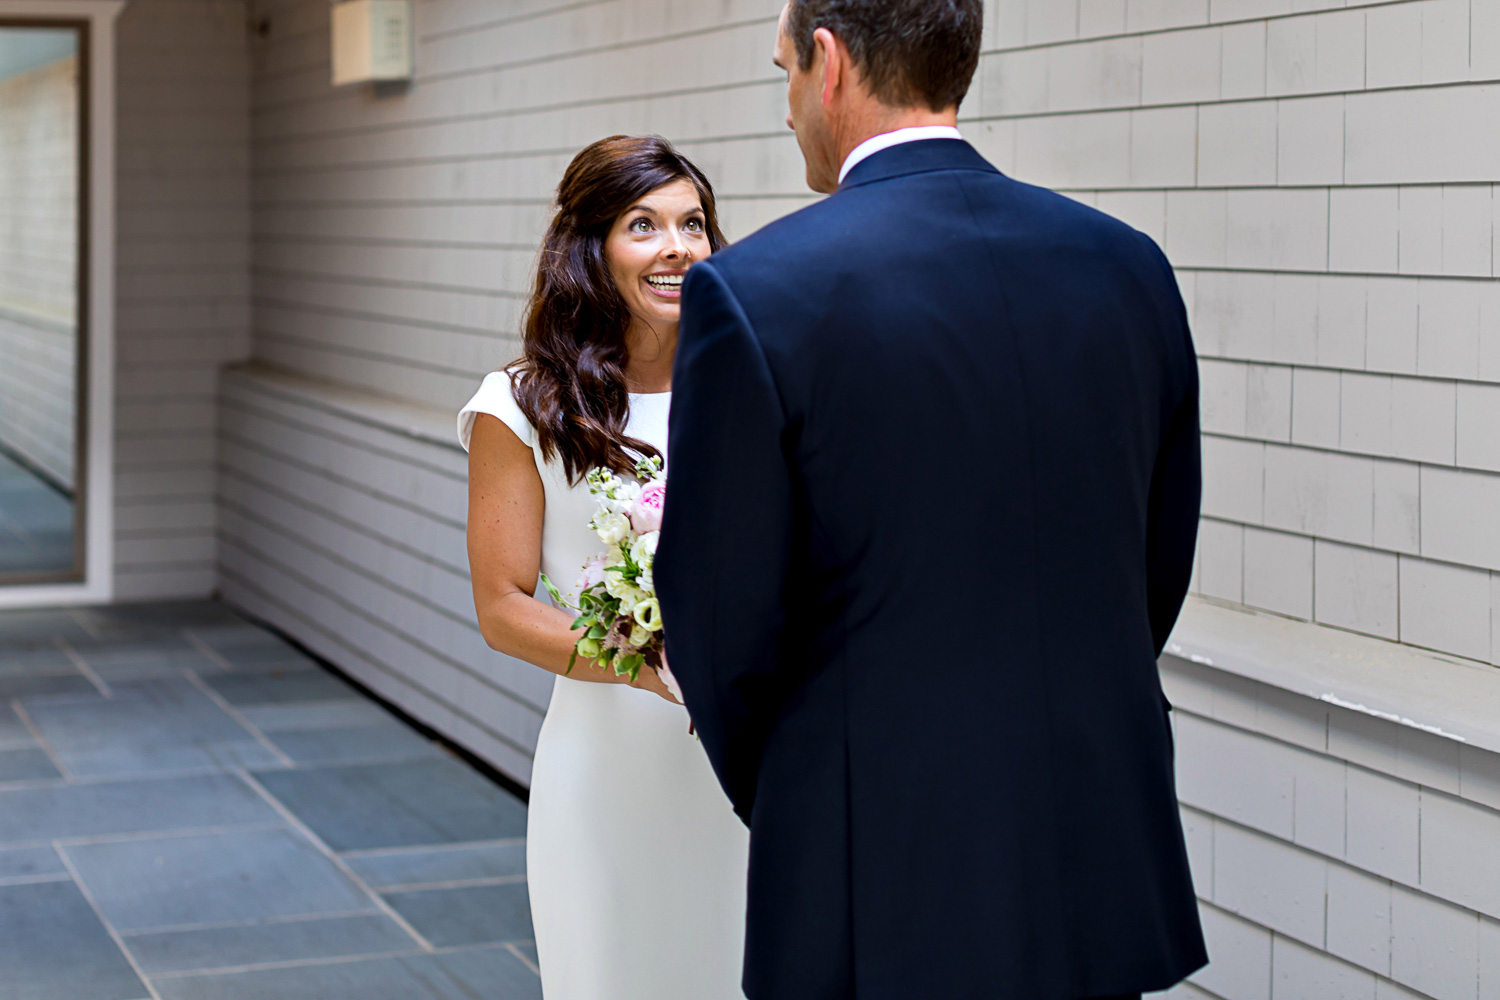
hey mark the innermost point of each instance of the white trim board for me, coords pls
(1446, 696)
(99, 497)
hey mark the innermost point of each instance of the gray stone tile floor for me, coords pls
(191, 809)
(36, 522)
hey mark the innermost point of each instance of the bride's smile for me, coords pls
(666, 284)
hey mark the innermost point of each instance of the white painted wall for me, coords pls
(183, 303)
(1322, 175)
(39, 192)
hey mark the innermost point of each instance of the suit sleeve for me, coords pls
(723, 562)
(1177, 481)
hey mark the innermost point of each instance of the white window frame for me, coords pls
(99, 496)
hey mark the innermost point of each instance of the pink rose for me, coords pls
(593, 573)
(645, 513)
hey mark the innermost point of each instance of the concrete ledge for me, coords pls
(437, 427)
(1446, 696)
(42, 321)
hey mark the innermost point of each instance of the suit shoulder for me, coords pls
(1082, 217)
(804, 231)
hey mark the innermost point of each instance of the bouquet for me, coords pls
(617, 608)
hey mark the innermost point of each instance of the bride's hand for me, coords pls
(649, 680)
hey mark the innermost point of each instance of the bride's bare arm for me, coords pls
(506, 504)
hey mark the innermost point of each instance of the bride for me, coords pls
(635, 861)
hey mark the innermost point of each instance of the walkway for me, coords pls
(190, 809)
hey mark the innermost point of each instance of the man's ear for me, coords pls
(831, 54)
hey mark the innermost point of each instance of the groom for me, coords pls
(934, 495)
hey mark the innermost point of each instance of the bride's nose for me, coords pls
(676, 248)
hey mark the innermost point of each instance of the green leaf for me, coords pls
(572, 660)
(630, 665)
(557, 596)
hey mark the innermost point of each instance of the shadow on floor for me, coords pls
(191, 809)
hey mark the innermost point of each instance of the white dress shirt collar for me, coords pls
(875, 144)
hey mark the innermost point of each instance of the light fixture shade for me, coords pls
(371, 41)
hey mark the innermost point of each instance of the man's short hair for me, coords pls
(910, 53)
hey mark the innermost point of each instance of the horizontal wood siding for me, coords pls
(348, 532)
(395, 235)
(1335, 854)
(183, 308)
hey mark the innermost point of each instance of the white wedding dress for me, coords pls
(635, 859)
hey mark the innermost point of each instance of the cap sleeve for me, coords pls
(495, 397)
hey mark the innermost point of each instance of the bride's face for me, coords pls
(652, 245)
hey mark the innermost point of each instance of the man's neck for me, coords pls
(862, 128)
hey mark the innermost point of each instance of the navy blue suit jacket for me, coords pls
(933, 499)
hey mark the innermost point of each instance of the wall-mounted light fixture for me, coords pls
(372, 41)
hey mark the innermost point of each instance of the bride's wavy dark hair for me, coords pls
(570, 380)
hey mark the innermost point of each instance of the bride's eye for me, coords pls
(694, 225)
(641, 226)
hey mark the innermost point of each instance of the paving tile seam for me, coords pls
(83, 668)
(290, 665)
(36, 734)
(293, 963)
(82, 621)
(60, 670)
(467, 845)
(238, 717)
(211, 653)
(298, 918)
(108, 927)
(468, 883)
(92, 698)
(343, 866)
(34, 879)
(166, 774)
(35, 783)
(327, 762)
(169, 833)
(514, 948)
(303, 963)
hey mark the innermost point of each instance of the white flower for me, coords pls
(629, 596)
(648, 615)
(640, 636)
(613, 528)
(643, 549)
(615, 584)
